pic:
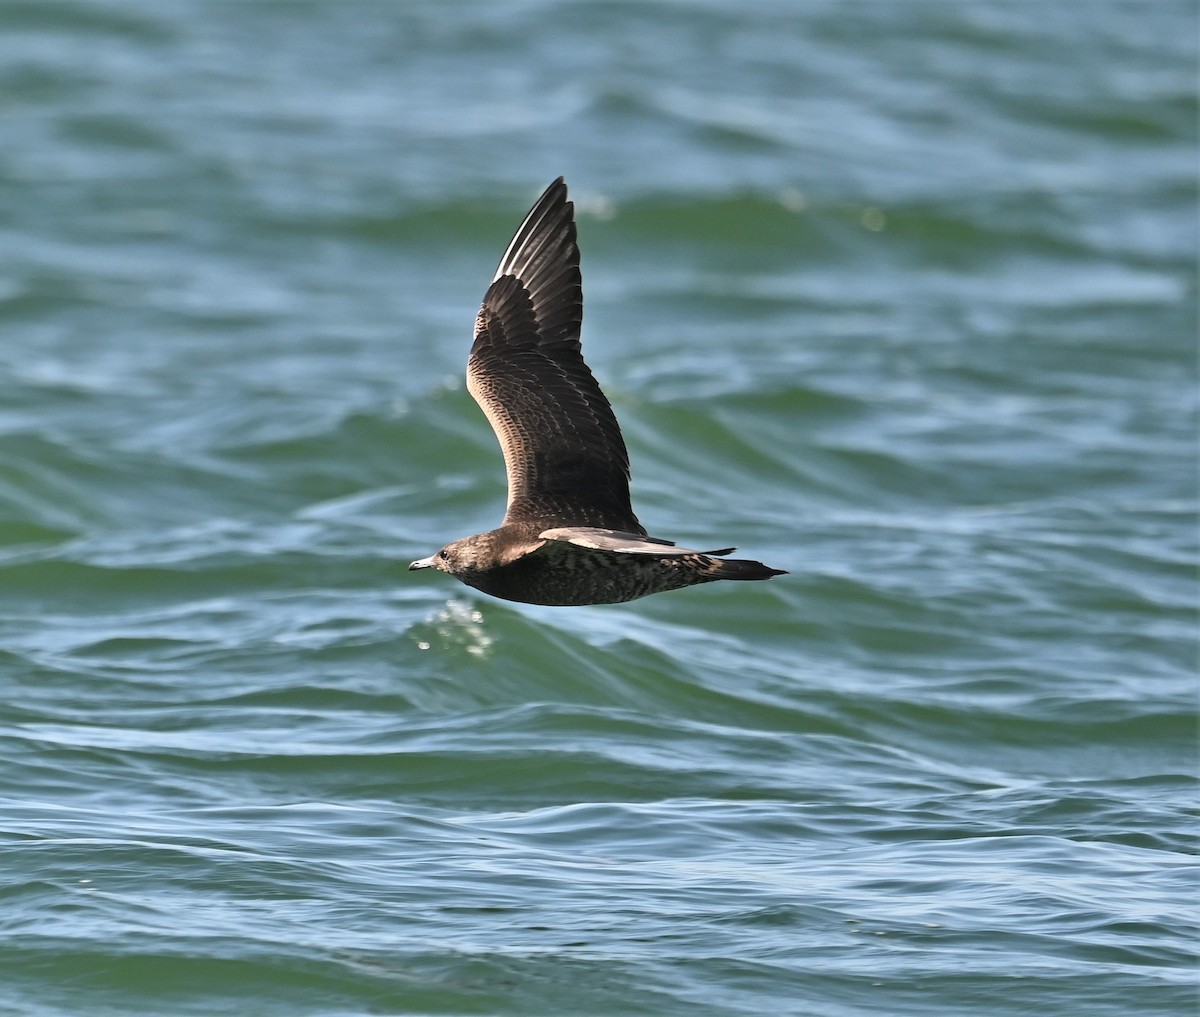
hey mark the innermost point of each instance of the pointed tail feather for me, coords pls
(744, 569)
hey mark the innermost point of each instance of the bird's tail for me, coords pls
(743, 569)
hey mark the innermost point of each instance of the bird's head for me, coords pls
(464, 559)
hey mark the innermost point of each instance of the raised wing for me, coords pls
(563, 451)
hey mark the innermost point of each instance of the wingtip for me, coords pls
(552, 214)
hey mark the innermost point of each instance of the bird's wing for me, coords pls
(598, 539)
(563, 451)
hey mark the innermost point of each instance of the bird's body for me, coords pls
(569, 535)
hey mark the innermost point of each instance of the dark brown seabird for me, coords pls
(569, 535)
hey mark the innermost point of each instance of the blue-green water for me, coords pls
(898, 296)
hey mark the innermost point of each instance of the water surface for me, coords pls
(898, 297)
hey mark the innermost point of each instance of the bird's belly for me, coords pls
(575, 580)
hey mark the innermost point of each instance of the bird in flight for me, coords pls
(569, 535)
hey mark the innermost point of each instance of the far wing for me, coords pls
(563, 451)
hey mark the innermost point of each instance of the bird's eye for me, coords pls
(443, 555)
